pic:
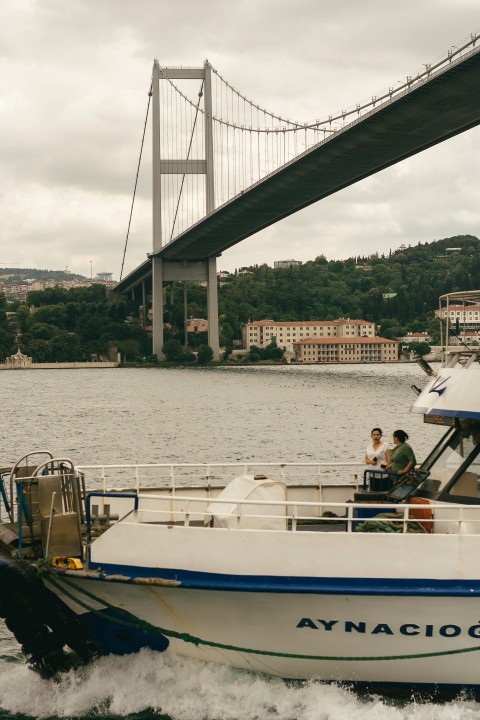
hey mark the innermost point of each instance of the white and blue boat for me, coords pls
(277, 568)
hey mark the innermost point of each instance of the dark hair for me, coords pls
(401, 435)
(376, 430)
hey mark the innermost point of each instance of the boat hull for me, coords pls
(378, 640)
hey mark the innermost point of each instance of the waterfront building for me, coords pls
(262, 332)
(346, 350)
(468, 316)
(19, 360)
(415, 337)
(467, 337)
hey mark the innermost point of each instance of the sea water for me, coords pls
(292, 414)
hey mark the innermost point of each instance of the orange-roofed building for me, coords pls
(346, 350)
(262, 332)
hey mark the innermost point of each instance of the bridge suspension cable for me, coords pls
(249, 141)
(294, 126)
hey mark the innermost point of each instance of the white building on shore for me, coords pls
(262, 332)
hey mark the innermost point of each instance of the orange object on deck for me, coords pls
(423, 515)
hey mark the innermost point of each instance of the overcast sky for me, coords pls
(74, 77)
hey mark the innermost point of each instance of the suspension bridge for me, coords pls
(225, 168)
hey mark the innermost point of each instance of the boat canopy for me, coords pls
(454, 389)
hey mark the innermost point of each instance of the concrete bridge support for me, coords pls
(204, 271)
(212, 304)
(164, 270)
(157, 307)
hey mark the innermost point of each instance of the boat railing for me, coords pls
(137, 476)
(297, 515)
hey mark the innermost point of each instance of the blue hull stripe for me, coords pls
(447, 413)
(289, 584)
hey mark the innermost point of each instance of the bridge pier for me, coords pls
(157, 307)
(164, 270)
(212, 307)
(203, 271)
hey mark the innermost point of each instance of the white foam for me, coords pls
(191, 690)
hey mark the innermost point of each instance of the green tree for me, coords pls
(6, 343)
(7, 333)
(419, 348)
(39, 350)
(272, 351)
(254, 354)
(204, 354)
(23, 317)
(197, 339)
(42, 331)
(50, 315)
(173, 350)
(129, 349)
(228, 351)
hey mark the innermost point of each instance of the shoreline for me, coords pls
(103, 365)
(62, 366)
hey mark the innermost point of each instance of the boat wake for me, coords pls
(151, 684)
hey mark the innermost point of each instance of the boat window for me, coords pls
(443, 467)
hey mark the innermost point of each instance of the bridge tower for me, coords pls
(185, 270)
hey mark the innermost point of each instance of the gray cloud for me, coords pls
(74, 79)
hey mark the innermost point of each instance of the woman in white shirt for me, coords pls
(377, 454)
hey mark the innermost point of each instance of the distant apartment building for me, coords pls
(346, 350)
(286, 263)
(15, 292)
(18, 291)
(261, 332)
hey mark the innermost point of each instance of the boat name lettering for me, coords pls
(409, 629)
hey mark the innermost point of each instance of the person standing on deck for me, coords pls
(377, 454)
(402, 458)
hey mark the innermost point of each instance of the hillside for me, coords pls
(399, 293)
(19, 276)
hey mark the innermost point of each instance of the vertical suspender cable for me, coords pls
(136, 179)
(200, 94)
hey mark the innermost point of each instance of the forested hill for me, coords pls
(399, 291)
